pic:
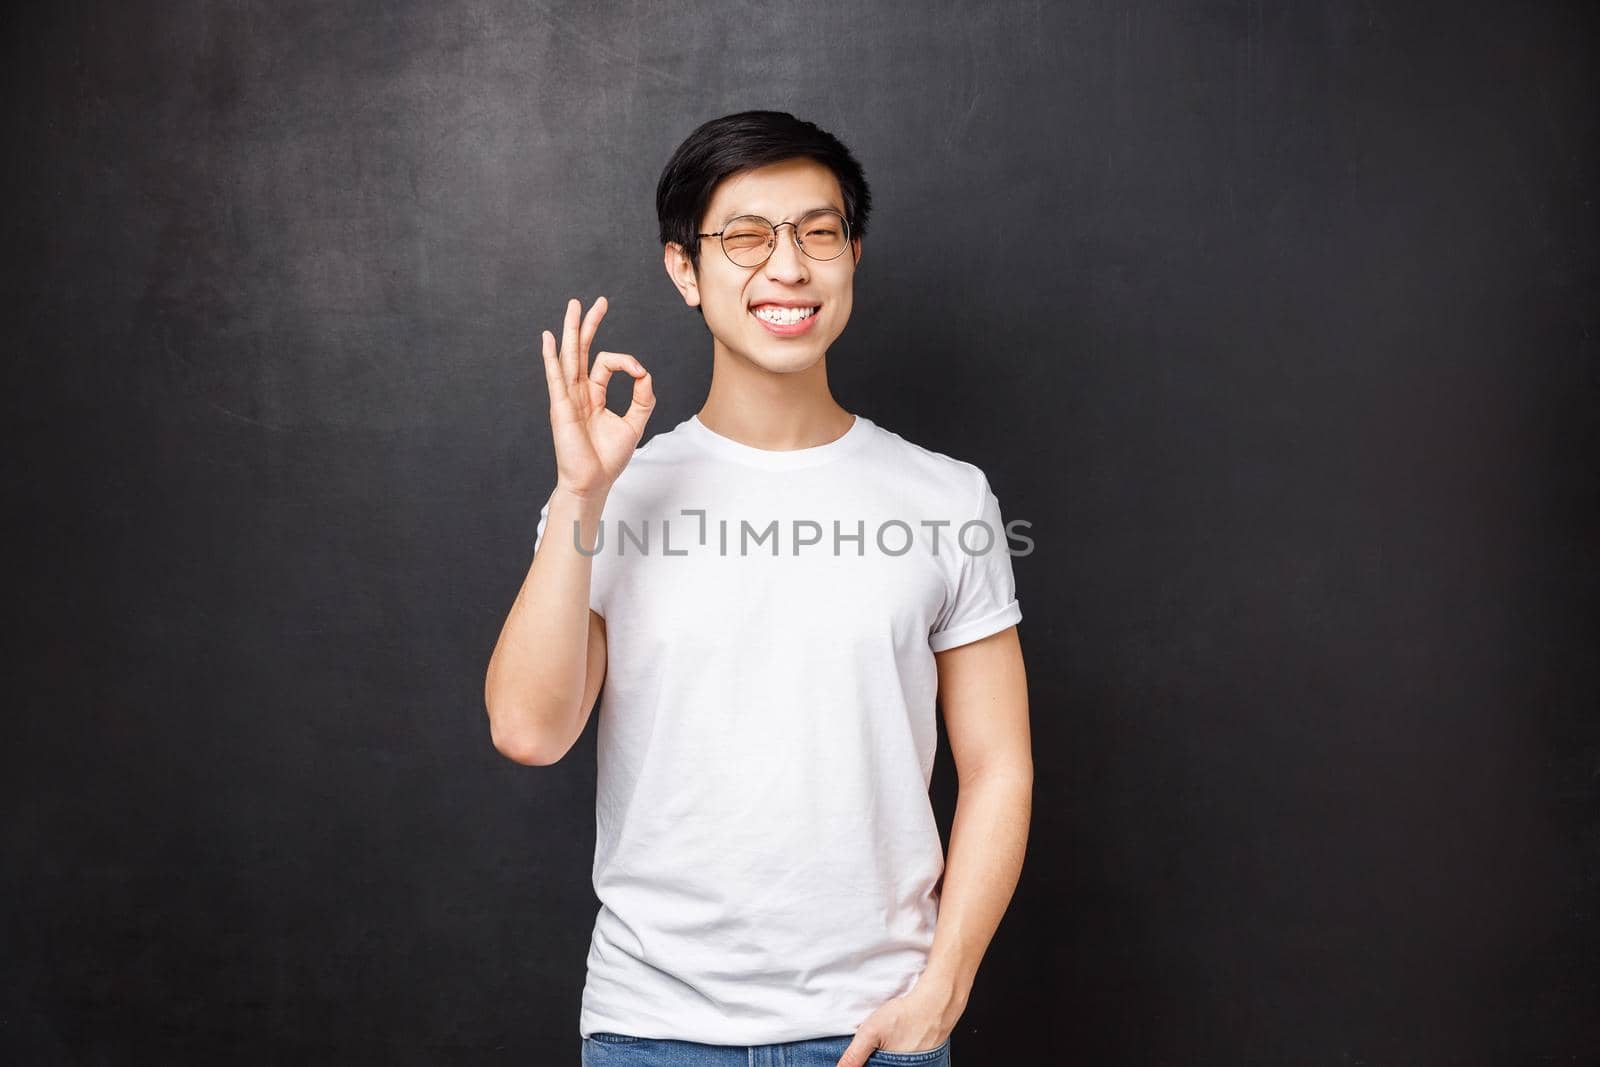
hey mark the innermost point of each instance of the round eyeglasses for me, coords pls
(749, 240)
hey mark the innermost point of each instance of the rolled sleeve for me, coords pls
(983, 600)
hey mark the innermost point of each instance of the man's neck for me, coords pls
(769, 410)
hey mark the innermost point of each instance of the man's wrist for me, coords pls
(946, 981)
(584, 499)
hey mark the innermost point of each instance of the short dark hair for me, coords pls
(740, 142)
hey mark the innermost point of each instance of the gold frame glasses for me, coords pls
(772, 236)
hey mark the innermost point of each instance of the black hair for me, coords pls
(740, 142)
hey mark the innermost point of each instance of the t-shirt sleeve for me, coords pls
(983, 599)
(596, 565)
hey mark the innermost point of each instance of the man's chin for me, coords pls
(776, 356)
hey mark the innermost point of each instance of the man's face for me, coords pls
(730, 295)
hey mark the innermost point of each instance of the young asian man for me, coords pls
(776, 594)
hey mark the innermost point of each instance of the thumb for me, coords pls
(859, 1051)
(644, 400)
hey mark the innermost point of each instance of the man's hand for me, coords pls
(917, 1022)
(592, 443)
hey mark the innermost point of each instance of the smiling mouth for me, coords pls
(782, 316)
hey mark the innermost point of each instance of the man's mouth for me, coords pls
(779, 315)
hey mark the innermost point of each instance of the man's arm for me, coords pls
(550, 659)
(983, 690)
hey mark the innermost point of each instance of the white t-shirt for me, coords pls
(766, 858)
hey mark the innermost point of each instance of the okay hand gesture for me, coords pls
(592, 443)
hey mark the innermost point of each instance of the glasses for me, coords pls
(749, 240)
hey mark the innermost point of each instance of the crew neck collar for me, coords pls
(778, 459)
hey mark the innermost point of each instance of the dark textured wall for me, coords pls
(1275, 320)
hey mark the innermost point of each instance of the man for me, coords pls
(776, 593)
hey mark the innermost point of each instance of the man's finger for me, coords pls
(859, 1051)
(644, 400)
(591, 323)
(560, 401)
(605, 363)
(569, 344)
(644, 397)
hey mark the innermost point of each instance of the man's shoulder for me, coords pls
(939, 471)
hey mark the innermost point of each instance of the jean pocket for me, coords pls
(939, 1055)
(606, 1038)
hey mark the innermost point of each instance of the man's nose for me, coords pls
(787, 263)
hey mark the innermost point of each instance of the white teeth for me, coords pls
(784, 316)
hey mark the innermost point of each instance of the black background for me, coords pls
(1275, 320)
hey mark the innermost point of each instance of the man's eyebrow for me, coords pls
(730, 216)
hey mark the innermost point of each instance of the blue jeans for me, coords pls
(620, 1050)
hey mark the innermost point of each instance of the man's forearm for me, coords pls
(987, 840)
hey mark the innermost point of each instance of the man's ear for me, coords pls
(857, 242)
(682, 273)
